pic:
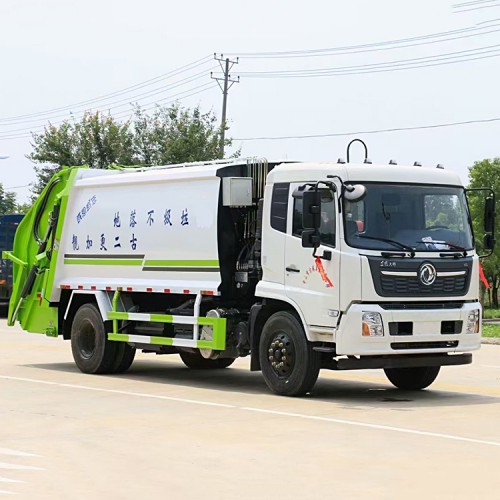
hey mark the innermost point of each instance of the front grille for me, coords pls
(397, 306)
(401, 277)
(401, 346)
(411, 285)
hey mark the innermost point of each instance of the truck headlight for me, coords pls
(372, 325)
(473, 322)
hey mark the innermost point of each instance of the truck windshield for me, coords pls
(425, 218)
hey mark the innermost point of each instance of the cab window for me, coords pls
(327, 229)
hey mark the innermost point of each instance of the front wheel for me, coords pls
(289, 364)
(412, 379)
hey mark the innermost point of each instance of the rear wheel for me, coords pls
(289, 364)
(125, 355)
(412, 379)
(92, 351)
(196, 361)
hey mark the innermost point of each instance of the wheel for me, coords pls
(196, 361)
(412, 379)
(92, 351)
(125, 354)
(288, 362)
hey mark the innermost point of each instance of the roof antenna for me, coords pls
(349, 146)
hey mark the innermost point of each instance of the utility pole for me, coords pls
(226, 65)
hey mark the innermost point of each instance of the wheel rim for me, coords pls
(86, 341)
(281, 355)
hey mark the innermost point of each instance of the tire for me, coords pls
(298, 372)
(92, 351)
(196, 361)
(125, 355)
(412, 379)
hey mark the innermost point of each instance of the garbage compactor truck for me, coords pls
(302, 266)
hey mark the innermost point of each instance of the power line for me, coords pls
(412, 63)
(170, 74)
(27, 133)
(473, 2)
(17, 187)
(116, 104)
(477, 7)
(366, 132)
(378, 49)
(470, 31)
(169, 97)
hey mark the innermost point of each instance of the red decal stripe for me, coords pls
(483, 277)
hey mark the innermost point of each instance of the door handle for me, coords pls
(292, 270)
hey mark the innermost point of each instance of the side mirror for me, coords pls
(311, 209)
(488, 242)
(489, 215)
(354, 192)
(310, 238)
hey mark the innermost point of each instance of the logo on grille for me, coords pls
(427, 274)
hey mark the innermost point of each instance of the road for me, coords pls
(163, 431)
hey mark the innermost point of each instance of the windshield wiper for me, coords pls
(392, 242)
(452, 246)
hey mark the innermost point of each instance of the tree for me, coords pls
(175, 135)
(22, 208)
(486, 173)
(167, 135)
(8, 203)
(97, 140)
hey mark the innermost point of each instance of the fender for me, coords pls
(267, 290)
(102, 298)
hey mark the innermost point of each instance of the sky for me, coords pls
(58, 53)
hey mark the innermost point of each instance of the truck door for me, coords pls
(315, 288)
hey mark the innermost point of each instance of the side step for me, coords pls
(218, 342)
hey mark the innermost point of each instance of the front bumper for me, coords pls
(426, 337)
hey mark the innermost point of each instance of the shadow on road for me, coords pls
(348, 392)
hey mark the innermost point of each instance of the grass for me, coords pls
(491, 313)
(491, 331)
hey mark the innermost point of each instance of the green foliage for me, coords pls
(167, 135)
(8, 203)
(491, 331)
(22, 208)
(485, 173)
(491, 313)
(97, 141)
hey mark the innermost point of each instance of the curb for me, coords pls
(492, 341)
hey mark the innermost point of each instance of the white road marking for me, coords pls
(4, 492)
(366, 425)
(7, 480)
(16, 453)
(4, 465)
(116, 391)
(375, 426)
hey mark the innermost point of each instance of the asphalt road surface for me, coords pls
(164, 431)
